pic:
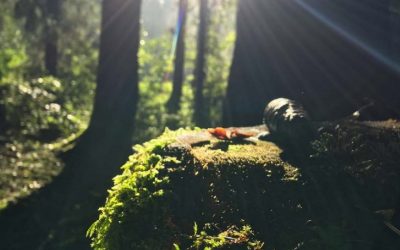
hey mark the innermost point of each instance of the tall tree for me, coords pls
(173, 103)
(326, 54)
(43, 17)
(103, 147)
(107, 142)
(53, 12)
(395, 30)
(116, 95)
(200, 113)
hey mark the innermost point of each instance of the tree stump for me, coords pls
(188, 188)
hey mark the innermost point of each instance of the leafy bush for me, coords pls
(37, 109)
(13, 52)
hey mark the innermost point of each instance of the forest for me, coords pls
(200, 124)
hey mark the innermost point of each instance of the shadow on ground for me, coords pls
(58, 215)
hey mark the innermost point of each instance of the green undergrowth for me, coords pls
(242, 195)
(37, 121)
(28, 165)
(25, 167)
(210, 237)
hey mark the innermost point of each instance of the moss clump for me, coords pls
(232, 238)
(136, 213)
(166, 186)
(251, 196)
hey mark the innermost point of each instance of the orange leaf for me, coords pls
(242, 134)
(220, 133)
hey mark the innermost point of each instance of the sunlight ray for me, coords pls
(355, 40)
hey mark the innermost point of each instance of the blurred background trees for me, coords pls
(35, 32)
(178, 49)
(41, 18)
(199, 72)
(49, 70)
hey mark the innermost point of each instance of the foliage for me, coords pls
(13, 55)
(39, 21)
(232, 238)
(22, 53)
(221, 38)
(25, 167)
(37, 14)
(155, 87)
(36, 121)
(156, 71)
(36, 108)
(219, 48)
(79, 53)
(55, 109)
(39, 115)
(21, 47)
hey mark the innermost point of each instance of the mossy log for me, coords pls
(189, 190)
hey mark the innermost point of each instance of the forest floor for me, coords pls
(26, 165)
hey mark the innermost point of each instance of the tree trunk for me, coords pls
(200, 112)
(79, 190)
(51, 55)
(53, 12)
(395, 30)
(173, 104)
(328, 55)
(112, 120)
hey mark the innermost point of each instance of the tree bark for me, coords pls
(99, 152)
(325, 54)
(53, 12)
(51, 55)
(173, 103)
(395, 30)
(200, 113)
(116, 96)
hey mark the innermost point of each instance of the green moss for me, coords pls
(233, 237)
(146, 207)
(244, 189)
(136, 200)
(244, 154)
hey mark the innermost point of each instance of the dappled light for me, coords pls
(200, 124)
